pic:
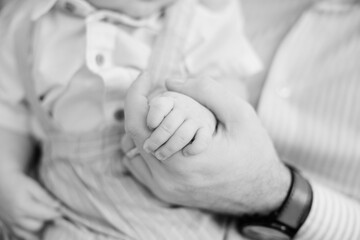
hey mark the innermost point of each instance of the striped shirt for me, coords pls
(308, 98)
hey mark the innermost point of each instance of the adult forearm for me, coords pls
(16, 150)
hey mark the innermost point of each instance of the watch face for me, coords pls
(256, 232)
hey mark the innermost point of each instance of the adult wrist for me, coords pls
(275, 190)
(284, 222)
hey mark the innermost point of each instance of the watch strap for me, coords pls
(297, 205)
(288, 218)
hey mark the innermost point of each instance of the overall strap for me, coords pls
(166, 58)
(24, 40)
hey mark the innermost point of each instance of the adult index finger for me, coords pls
(136, 108)
(225, 105)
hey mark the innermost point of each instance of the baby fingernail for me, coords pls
(160, 156)
(146, 147)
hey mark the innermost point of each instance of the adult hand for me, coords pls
(238, 173)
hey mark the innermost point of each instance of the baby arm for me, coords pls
(24, 205)
(178, 123)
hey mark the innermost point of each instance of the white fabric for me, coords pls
(310, 102)
(85, 59)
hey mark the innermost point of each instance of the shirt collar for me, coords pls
(42, 7)
(82, 8)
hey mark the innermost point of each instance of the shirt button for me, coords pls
(284, 92)
(99, 59)
(119, 115)
(69, 7)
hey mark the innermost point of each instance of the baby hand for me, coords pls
(24, 205)
(178, 123)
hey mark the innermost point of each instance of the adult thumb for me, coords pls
(211, 94)
(136, 107)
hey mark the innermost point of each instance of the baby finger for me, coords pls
(183, 136)
(159, 107)
(201, 141)
(163, 132)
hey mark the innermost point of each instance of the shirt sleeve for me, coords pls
(217, 46)
(333, 216)
(13, 110)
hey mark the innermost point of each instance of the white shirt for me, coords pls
(308, 99)
(84, 59)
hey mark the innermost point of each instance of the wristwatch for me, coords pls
(283, 223)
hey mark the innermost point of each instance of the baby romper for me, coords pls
(100, 199)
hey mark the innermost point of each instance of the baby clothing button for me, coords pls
(70, 7)
(100, 59)
(119, 115)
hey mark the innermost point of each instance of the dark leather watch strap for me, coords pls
(284, 222)
(296, 207)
